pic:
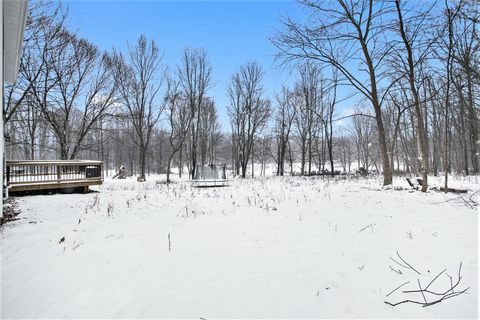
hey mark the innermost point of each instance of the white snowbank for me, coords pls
(288, 247)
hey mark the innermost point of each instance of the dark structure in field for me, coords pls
(210, 176)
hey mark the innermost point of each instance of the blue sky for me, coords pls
(232, 32)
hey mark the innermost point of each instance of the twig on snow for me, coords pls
(438, 275)
(397, 288)
(367, 226)
(169, 242)
(395, 270)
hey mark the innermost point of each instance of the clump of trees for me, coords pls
(387, 86)
(139, 79)
(401, 58)
(248, 112)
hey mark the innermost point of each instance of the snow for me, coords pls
(291, 247)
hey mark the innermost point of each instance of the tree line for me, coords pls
(406, 72)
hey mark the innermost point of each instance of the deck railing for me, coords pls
(57, 172)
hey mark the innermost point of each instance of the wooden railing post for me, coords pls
(8, 175)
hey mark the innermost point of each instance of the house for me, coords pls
(14, 15)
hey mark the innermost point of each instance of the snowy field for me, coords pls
(288, 247)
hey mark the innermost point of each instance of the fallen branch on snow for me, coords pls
(367, 226)
(450, 293)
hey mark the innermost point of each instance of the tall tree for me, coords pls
(450, 15)
(467, 57)
(284, 118)
(409, 30)
(179, 119)
(139, 80)
(209, 133)
(307, 118)
(248, 110)
(329, 102)
(195, 75)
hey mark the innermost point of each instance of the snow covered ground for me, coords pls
(288, 247)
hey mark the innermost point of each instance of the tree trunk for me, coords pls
(194, 153)
(421, 139)
(303, 153)
(142, 163)
(253, 161)
(282, 159)
(290, 158)
(63, 151)
(180, 162)
(244, 169)
(169, 163)
(309, 151)
(447, 98)
(472, 124)
(387, 173)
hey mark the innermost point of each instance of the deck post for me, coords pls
(8, 176)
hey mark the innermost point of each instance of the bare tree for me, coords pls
(363, 132)
(179, 118)
(30, 120)
(43, 34)
(248, 111)
(307, 115)
(450, 16)
(195, 75)
(344, 151)
(139, 81)
(329, 103)
(74, 91)
(264, 151)
(285, 116)
(209, 132)
(409, 30)
(467, 57)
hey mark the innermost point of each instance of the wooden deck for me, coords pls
(24, 176)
